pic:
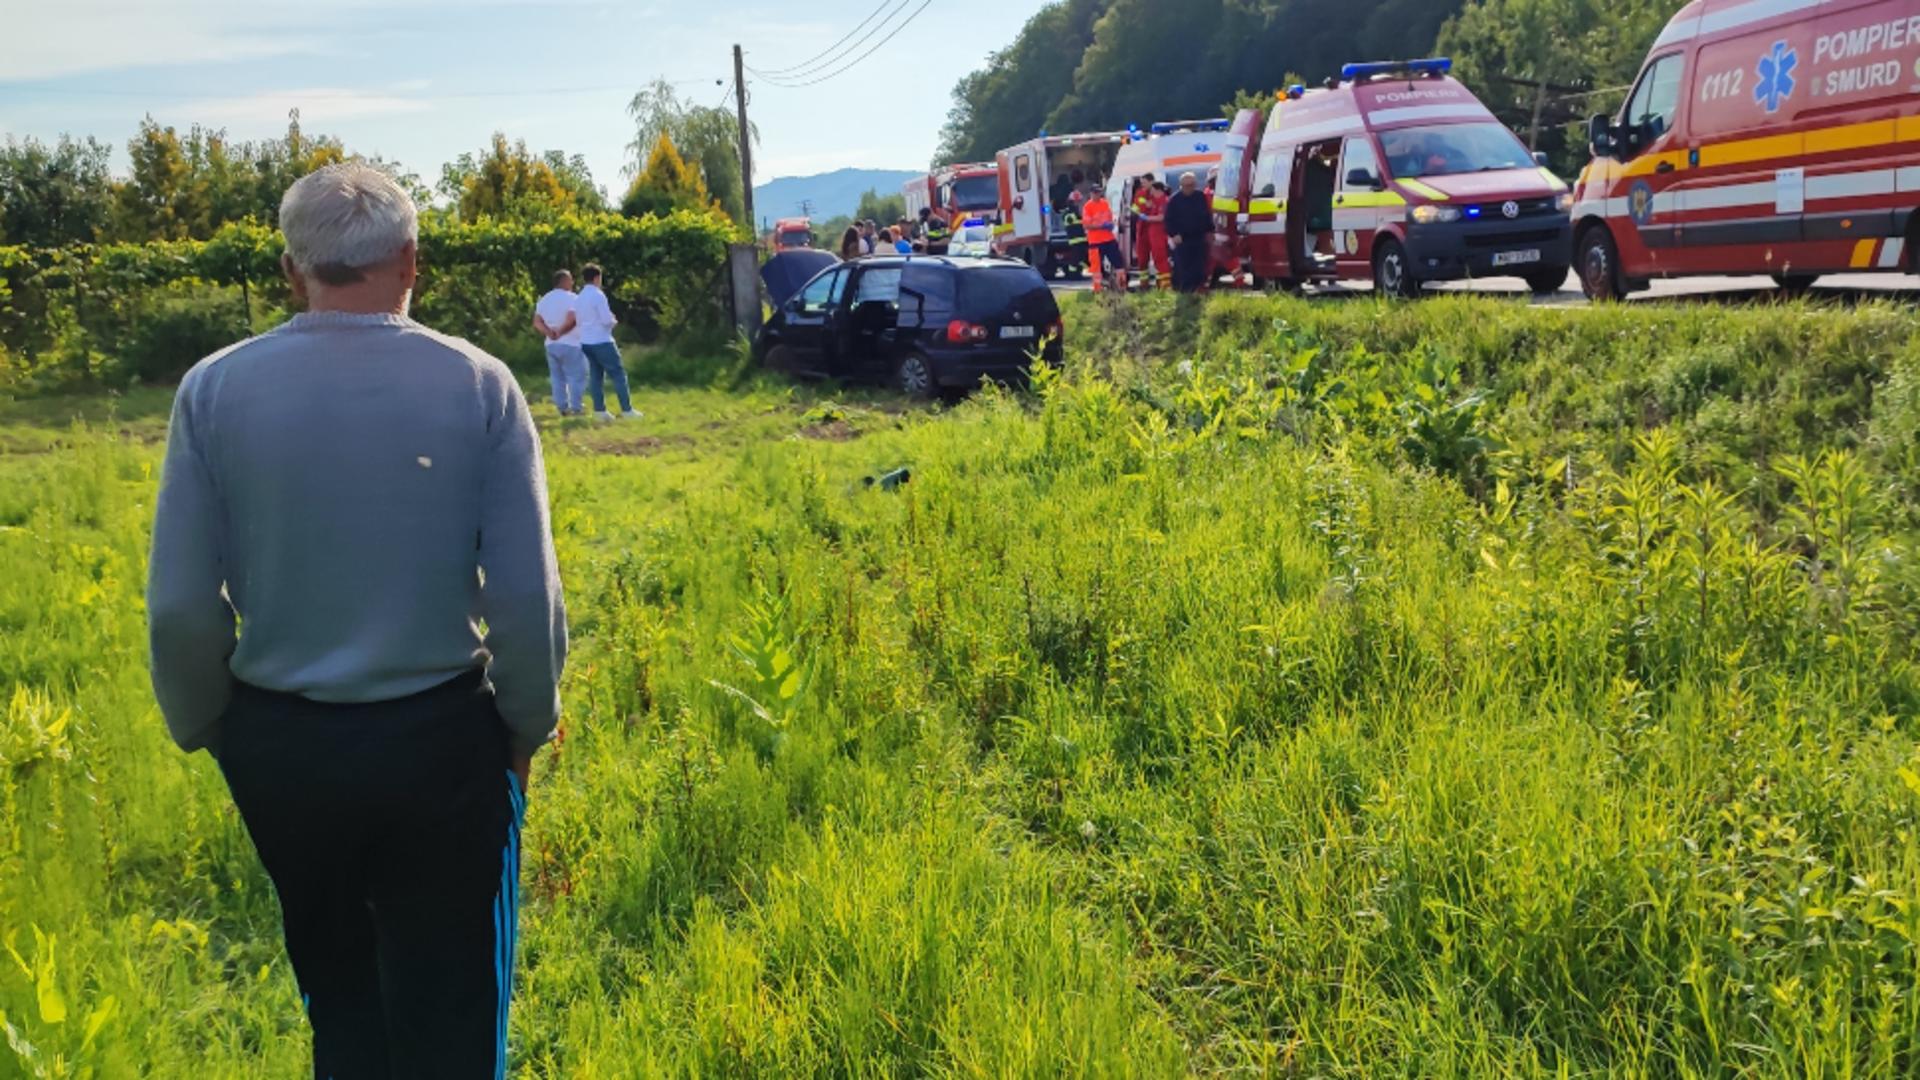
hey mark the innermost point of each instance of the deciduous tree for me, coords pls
(507, 181)
(705, 136)
(53, 195)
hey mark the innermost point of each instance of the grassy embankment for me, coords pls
(1442, 689)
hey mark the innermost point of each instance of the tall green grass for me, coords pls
(1439, 689)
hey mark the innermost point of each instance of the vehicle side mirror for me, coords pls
(1540, 158)
(1363, 178)
(1601, 141)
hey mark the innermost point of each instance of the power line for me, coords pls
(819, 71)
(330, 92)
(799, 69)
(863, 56)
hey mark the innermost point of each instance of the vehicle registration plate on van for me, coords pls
(1016, 331)
(1516, 258)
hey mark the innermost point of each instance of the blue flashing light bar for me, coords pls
(1436, 66)
(1191, 125)
(972, 223)
(1296, 91)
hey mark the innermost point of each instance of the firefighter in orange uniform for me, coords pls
(1103, 241)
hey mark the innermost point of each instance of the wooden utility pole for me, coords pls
(746, 136)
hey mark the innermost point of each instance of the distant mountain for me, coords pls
(831, 194)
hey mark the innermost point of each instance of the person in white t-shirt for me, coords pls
(554, 317)
(596, 321)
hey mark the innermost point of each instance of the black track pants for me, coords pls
(392, 834)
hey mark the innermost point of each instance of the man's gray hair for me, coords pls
(1186, 176)
(344, 218)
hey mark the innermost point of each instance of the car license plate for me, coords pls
(1016, 331)
(1516, 258)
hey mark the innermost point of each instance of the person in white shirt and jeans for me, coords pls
(553, 316)
(595, 320)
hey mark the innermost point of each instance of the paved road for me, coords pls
(1837, 286)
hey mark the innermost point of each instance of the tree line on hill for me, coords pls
(1100, 65)
(186, 185)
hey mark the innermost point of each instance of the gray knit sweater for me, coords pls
(367, 498)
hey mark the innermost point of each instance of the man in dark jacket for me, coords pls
(1189, 224)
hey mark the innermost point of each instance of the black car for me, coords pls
(925, 323)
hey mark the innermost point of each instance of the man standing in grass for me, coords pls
(360, 497)
(566, 362)
(596, 322)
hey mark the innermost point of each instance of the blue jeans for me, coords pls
(567, 364)
(605, 360)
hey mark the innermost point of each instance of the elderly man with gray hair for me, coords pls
(354, 606)
(1189, 224)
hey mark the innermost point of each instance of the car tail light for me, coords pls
(959, 331)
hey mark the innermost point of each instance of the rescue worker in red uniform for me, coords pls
(1104, 242)
(1137, 219)
(1156, 235)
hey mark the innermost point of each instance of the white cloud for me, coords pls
(319, 106)
(80, 36)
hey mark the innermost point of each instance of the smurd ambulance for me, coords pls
(1398, 175)
(1777, 137)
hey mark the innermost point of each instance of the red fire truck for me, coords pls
(962, 192)
(1037, 180)
(1778, 138)
(1398, 175)
(790, 234)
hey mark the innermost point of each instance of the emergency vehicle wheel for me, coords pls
(1599, 262)
(914, 376)
(1391, 275)
(1795, 285)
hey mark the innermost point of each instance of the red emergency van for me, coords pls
(1777, 137)
(1038, 180)
(1397, 174)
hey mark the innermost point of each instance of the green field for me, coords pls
(1288, 689)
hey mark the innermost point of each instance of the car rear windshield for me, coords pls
(926, 288)
(976, 192)
(992, 290)
(1452, 149)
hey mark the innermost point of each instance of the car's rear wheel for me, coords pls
(914, 376)
(1600, 276)
(1392, 275)
(778, 358)
(1546, 282)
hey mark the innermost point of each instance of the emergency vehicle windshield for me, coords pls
(976, 193)
(1452, 149)
(796, 238)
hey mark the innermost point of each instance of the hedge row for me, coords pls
(668, 265)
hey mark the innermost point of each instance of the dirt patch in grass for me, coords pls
(831, 431)
(638, 446)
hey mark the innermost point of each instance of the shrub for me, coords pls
(171, 329)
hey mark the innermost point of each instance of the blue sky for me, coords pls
(421, 81)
